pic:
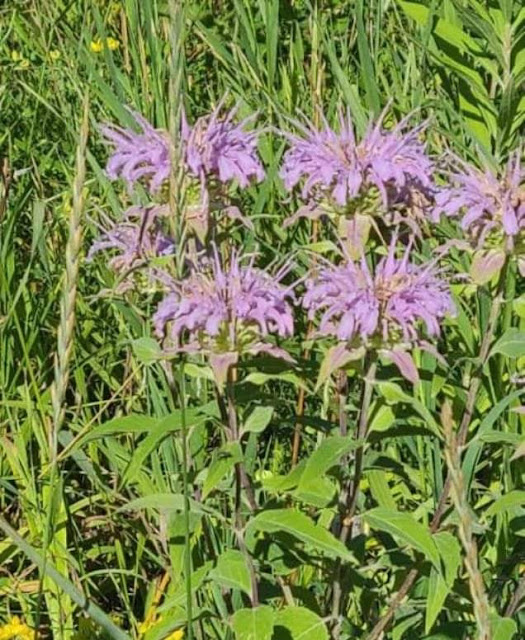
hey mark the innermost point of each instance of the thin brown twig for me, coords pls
(516, 600)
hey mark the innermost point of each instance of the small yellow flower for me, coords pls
(97, 46)
(147, 623)
(15, 55)
(112, 44)
(24, 64)
(15, 629)
(176, 635)
(55, 54)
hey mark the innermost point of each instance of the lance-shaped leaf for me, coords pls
(511, 344)
(404, 527)
(232, 571)
(301, 527)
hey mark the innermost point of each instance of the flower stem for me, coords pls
(180, 393)
(185, 489)
(350, 492)
(465, 526)
(362, 432)
(242, 481)
(342, 394)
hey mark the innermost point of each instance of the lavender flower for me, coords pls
(225, 312)
(217, 147)
(335, 165)
(135, 240)
(138, 155)
(214, 148)
(388, 308)
(488, 202)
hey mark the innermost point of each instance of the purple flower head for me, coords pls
(226, 311)
(137, 155)
(218, 147)
(135, 240)
(214, 147)
(389, 304)
(488, 202)
(335, 165)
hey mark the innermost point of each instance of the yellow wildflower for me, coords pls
(15, 629)
(112, 44)
(176, 635)
(24, 64)
(147, 623)
(97, 46)
(15, 55)
(55, 54)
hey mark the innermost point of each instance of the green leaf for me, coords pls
(349, 91)
(449, 32)
(511, 344)
(502, 628)
(394, 394)
(313, 487)
(475, 447)
(302, 528)
(158, 501)
(278, 483)
(169, 424)
(368, 74)
(512, 500)
(440, 586)
(225, 460)
(327, 455)
(301, 623)
(253, 624)
(147, 350)
(126, 424)
(493, 436)
(319, 494)
(451, 631)
(232, 572)
(519, 304)
(383, 418)
(198, 371)
(258, 378)
(258, 420)
(380, 488)
(407, 529)
(167, 502)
